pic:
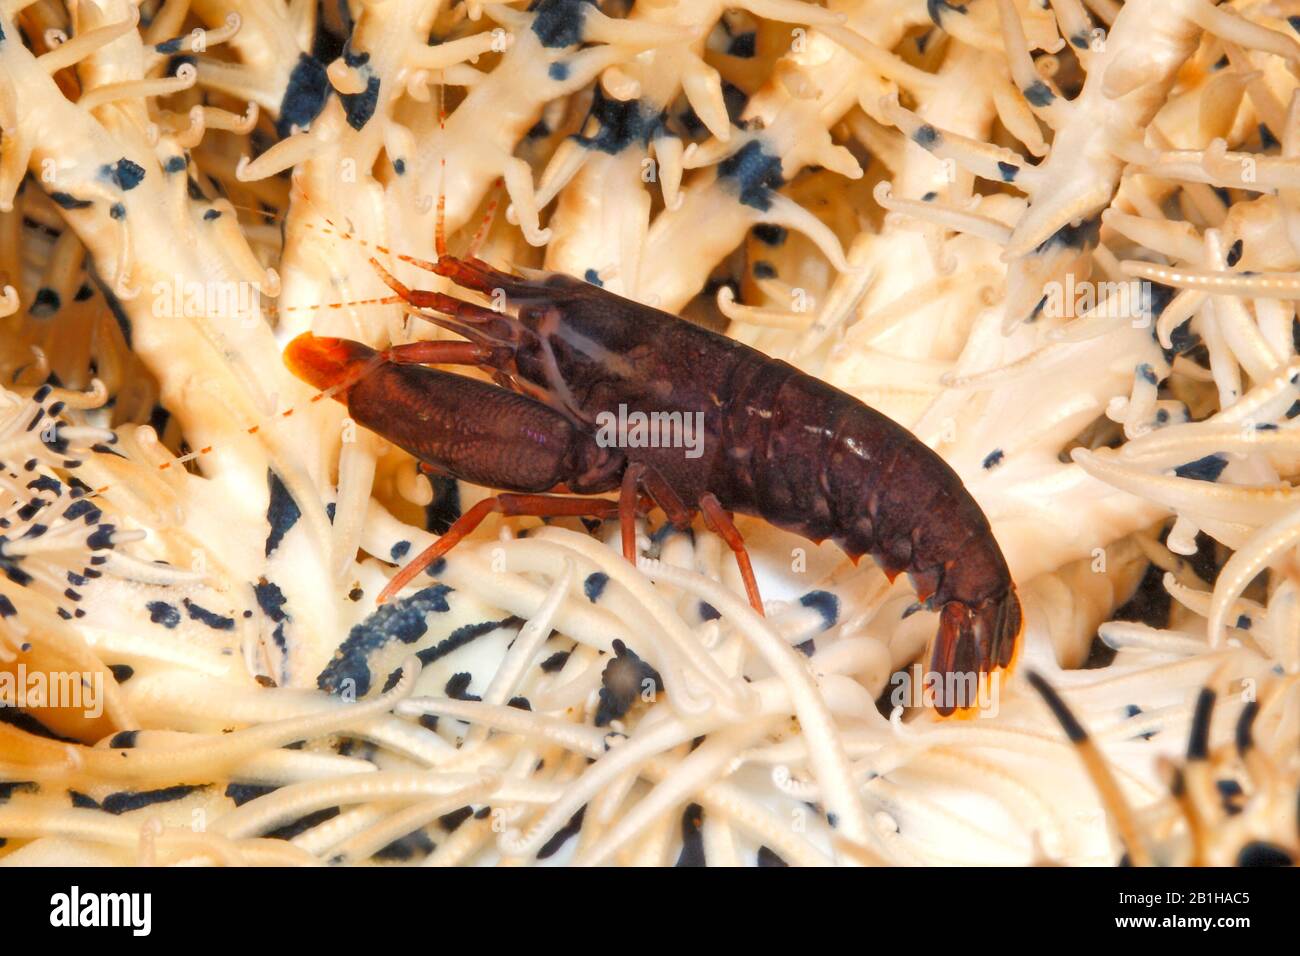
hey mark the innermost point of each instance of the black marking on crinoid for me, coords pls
(926, 136)
(1203, 469)
(218, 622)
(768, 857)
(563, 835)
(594, 585)
(1262, 853)
(122, 672)
(692, 836)
(1039, 93)
(1244, 736)
(743, 45)
(124, 174)
(824, 603)
(459, 638)
(735, 100)
(1149, 604)
(68, 201)
(241, 793)
(281, 513)
(622, 681)
(558, 23)
(46, 483)
(160, 612)
(1181, 338)
(451, 821)
(81, 801)
(26, 722)
(114, 307)
(28, 511)
(83, 508)
(359, 107)
(415, 845)
(937, 8)
(619, 124)
(555, 662)
(1234, 253)
(753, 173)
(1081, 236)
(1198, 741)
(302, 825)
(457, 687)
(1064, 716)
(304, 95)
(9, 787)
(272, 601)
(403, 620)
(45, 303)
(769, 234)
(127, 800)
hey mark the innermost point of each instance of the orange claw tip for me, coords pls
(324, 362)
(976, 649)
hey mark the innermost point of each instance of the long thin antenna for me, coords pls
(440, 223)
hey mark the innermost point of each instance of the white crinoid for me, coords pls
(1056, 241)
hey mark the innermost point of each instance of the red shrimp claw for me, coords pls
(973, 645)
(329, 363)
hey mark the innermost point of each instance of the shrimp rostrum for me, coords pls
(570, 358)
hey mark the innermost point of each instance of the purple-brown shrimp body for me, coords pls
(752, 435)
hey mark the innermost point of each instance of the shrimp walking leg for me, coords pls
(437, 353)
(719, 521)
(641, 476)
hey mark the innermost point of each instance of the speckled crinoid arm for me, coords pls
(121, 184)
(1129, 73)
(541, 62)
(784, 128)
(611, 153)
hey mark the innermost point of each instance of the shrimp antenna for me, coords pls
(440, 221)
(348, 381)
